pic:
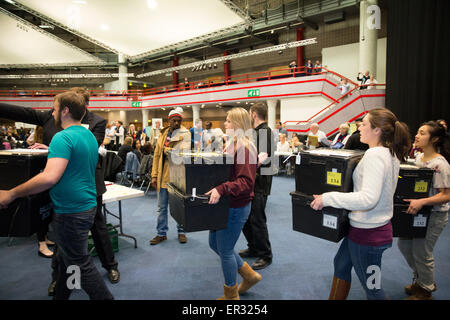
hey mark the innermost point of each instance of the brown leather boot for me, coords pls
(420, 294)
(411, 289)
(230, 293)
(339, 289)
(249, 276)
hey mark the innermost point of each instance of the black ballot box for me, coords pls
(21, 217)
(413, 182)
(202, 171)
(194, 213)
(324, 170)
(20, 165)
(407, 225)
(329, 223)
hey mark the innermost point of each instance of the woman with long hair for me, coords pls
(371, 204)
(240, 189)
(432, 138)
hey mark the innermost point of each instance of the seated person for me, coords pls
(124, 149)
(341, 138)
(137, 149)
(295, 143)
(283, 145)
(321, 137)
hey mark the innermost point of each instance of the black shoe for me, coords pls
(51, 289)
(261, 263)
(247, 254)
(114, 275)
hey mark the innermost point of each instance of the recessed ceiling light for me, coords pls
(79, 1)
(152, 4)
(104, 27)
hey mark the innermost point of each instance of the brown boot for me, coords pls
(420, 294)
(157, 240)
(249, 276)
(231, 293)
(411, 289)
(339, 289)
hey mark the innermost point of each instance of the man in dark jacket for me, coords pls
(255, 229)
(354, 142)
(96, 125)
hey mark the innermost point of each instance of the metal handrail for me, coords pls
(235, 79)
(334, 103)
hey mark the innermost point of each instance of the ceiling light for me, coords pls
(104, 27)
(152, 4)
(45, 25)
(79, 2)
(10, 1)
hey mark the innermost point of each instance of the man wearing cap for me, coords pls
(175, 136)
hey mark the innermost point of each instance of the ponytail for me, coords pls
(402, 141)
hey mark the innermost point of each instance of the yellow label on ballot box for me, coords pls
(334, 178)
(421, 186)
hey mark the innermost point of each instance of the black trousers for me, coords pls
(71, 232)
(102, 243)
(255, 229)
(43, 227)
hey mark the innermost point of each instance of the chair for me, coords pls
(130, 171)
(144, 172)
(111, 166)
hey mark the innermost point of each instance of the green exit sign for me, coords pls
(253, 93)
(136, 104)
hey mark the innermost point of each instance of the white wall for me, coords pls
(345, 60)
(301, 109)
(113, 85)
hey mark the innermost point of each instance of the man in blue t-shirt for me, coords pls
(70, 176)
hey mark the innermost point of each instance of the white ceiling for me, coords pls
(23, 44)
(136, 26)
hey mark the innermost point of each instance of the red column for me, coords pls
(300, 50)
(175, 74)
(226, 68)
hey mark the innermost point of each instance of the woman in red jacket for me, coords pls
(240, 187)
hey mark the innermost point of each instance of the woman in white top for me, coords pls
(371, 204)
(418, 252)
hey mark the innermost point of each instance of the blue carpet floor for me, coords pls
(302, 267)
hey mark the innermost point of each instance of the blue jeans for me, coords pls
(71, 231)
(163, 203)
(365, 260)
(223, 242)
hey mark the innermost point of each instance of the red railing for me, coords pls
(333, 103)
(236, 79)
